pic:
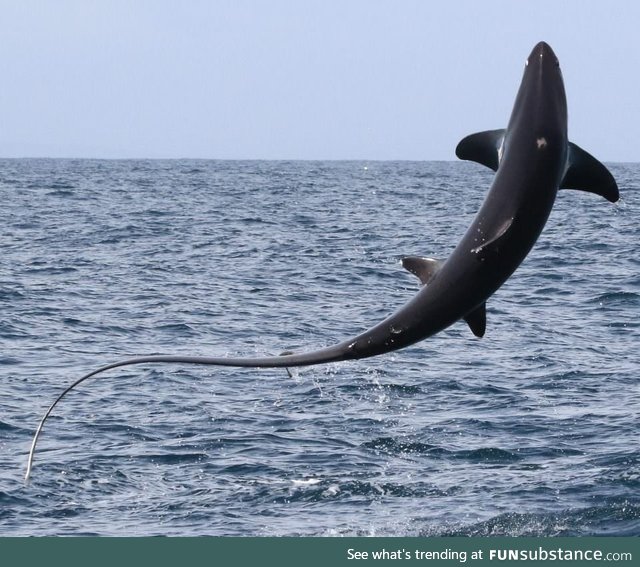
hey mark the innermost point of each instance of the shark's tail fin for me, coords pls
(334, 353)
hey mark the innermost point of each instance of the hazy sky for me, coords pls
(303, 79)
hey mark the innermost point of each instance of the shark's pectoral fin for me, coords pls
(492, 245)
(477, 320)
(424, 268)
(483, 147)
(588, 174)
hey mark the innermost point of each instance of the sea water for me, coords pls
(531, 430)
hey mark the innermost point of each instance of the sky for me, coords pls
(304, 79)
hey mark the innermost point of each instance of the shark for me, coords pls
(533, 159)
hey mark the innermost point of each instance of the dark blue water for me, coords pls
(532, 430)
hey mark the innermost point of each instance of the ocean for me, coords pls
(531, 430)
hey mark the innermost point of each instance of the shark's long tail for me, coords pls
(335, 353)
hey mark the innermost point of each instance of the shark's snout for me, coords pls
(543, 54)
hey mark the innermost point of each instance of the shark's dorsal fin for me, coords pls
(586, 173)
(477, 320)
(483, 147)
(424, 268)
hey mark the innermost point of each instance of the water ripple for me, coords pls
(529, 431)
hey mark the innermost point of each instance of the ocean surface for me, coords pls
(532, 430)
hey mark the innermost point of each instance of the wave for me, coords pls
(620, 519)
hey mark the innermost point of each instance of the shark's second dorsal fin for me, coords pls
(588, 174)
(483, 147)
(424, 268)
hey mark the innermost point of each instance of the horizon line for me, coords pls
(72, 158)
